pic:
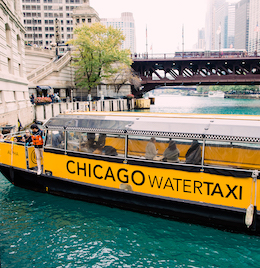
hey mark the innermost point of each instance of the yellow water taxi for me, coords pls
(201, 168)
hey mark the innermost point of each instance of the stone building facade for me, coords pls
(14, 96)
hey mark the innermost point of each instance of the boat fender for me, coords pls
(249, 216)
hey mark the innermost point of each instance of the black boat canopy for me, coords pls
(213, 127)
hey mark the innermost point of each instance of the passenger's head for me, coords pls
(172, 145)
(34, 127)
(153, 139)
(195, 143)
(27, 132)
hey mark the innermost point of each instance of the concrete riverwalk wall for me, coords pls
(44, 112)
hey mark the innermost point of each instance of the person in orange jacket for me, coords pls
(37, 140)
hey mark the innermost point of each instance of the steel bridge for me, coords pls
(167, 70)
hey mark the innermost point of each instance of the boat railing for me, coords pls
(15, 152)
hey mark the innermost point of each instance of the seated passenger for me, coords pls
(91, 141)
(109, 150)
(171, 153)
(150, 151)
(58, 140)
(101, 140)
(27, 139)
(193, 155)
(8, 138)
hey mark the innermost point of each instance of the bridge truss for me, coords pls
(196, 71)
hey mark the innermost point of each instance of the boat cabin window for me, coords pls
(165, 149)
(232, 154)
(55, 139)
(96, 143)
(73, 140)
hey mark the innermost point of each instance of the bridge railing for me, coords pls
(145, 56)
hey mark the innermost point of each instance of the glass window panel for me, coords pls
(103, 144)
(55, 139)
(232, 154)
(73, 140)
(165, 149)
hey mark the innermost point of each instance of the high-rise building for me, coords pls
(253, 31)
(201, 39)
(230, 38)
(85, 14)
(39, 18)
(212, 26)
(220, 24)
(242, 24)
(127, 24)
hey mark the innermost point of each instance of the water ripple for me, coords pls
(40, 230)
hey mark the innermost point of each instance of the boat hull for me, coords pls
(228, 218)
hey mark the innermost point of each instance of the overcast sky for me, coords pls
(163, 18)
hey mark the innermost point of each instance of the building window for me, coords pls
(9, 61)
(19, 44)
(20, 69)
(77, 20)
(89, 20)
(83, 20)
(8, 34)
